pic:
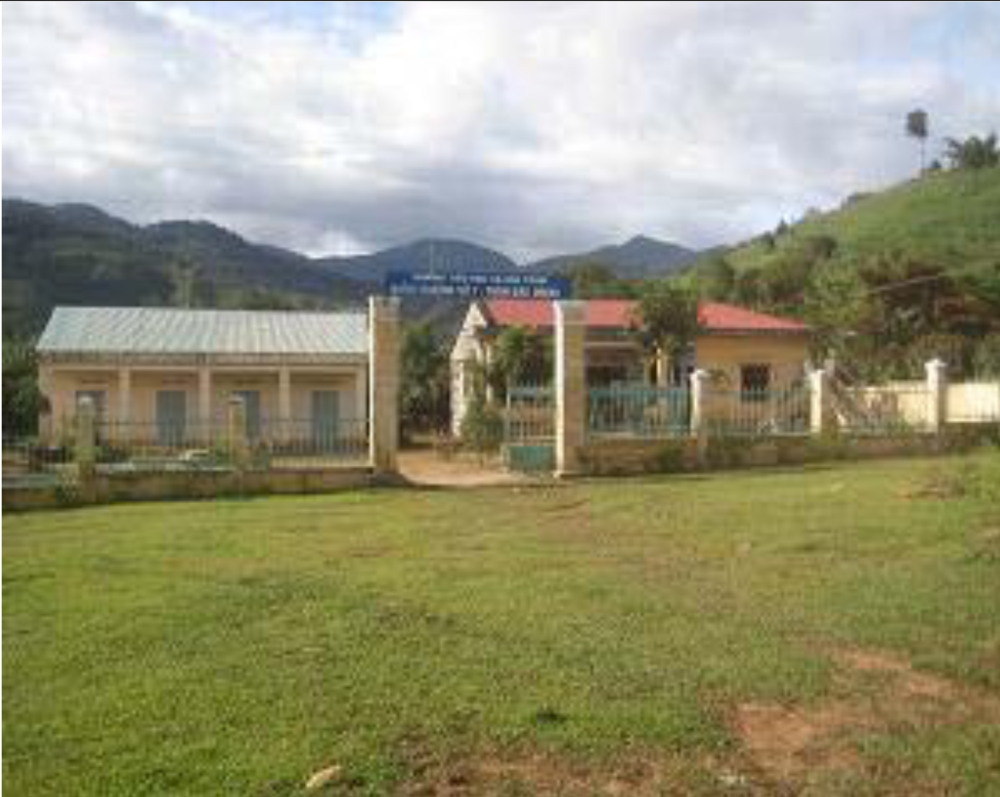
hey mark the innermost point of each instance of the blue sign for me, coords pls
(477, 286)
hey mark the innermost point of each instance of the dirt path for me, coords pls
(426, 467)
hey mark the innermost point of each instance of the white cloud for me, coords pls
(531, 127)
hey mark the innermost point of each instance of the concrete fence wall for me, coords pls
(902, 418)
(972, 402)
(633, 457)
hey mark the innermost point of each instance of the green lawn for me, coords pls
(833, 630)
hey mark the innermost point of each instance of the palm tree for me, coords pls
(918, 126)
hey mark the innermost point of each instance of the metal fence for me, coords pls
(644, 411)
(898, 407)
(150, 446)
(29, 462)
(756, 412)
(529, 414)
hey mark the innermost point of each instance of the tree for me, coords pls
(718, 279)
(973, 153)
(668, 320)
(522, 356)
(425, 381)
(918, 127)
(598, 281)
(22, 400)
(482, 425)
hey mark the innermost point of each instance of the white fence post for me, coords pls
(821, 420)
(937, 395)
(699, 411)
(571, 384)
(85, 442)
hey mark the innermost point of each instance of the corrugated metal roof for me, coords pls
(167, 331)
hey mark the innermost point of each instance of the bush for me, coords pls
(482, 427)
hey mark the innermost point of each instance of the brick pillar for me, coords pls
(571, 384)
(84, 444)
(937, 395)
(821, 420)
(383, 383)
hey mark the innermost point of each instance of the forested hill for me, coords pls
(78, 254)
(888, 279)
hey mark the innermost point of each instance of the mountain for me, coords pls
(78, 254)
(638, 257)
(432, 254)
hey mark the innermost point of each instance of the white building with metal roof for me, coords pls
(161, 373)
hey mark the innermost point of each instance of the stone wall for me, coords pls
(619, 457)
(106, 488)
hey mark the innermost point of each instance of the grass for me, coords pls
(948, 218)
(516, 639)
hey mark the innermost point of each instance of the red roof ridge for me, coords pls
(618, 314)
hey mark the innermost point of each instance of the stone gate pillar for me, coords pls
(937, 395)
(699, 413)
(85, 439)
(571, 384)
(821, 417)
(383, 383)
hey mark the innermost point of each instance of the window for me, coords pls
(755, 381)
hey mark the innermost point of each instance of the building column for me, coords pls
(360, 400)
(937, 395)
(662, 369)
(571, 384)
(205, 402)
(236, 432)
(124, 419)
(383, 383)
(284, 403)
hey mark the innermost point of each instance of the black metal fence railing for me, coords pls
(757, 412)
(529, 415)
(192, 445)
(29, 461)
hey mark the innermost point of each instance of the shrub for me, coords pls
(482, 427)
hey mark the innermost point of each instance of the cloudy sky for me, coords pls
(534, 128)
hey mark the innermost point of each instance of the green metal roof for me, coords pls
(166, 331)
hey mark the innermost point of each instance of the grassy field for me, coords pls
(826, 631)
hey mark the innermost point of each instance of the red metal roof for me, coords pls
(620, 314)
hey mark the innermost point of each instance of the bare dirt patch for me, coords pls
(428, 468)
(546, 773)
(789, 742)
(875, 692)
